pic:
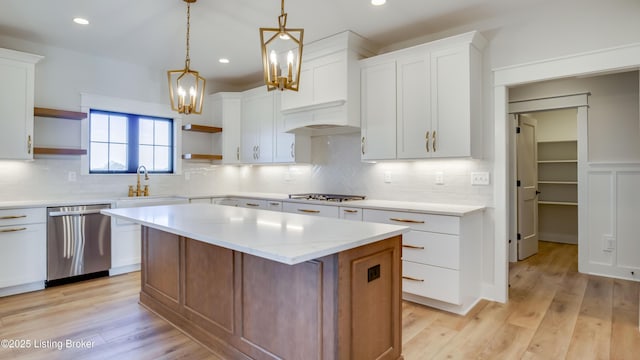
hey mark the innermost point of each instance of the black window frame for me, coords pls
(133, 142)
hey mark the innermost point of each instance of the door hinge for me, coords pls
(518, 130)
(519, 237)
(518, 183)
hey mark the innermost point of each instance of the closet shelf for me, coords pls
(59, 114)
(557, 182)
(563, 203)
(557, 161)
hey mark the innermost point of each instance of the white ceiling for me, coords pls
(152, 32)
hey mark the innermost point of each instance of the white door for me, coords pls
(413, 107)
(527, 175)
(378, 111)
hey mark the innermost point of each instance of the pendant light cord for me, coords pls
(187, 61)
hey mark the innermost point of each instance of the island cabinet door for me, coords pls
(161, 267)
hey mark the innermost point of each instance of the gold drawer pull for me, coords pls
(350, 211)
(412, 278)
(252, 204)
(413, 247)
(309, 211)
(13, 217)
(407, 221)
(12, 230)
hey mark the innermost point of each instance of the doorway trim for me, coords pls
(590, 63)
(576, 101)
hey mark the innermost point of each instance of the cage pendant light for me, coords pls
(281, 55)
(186, 86)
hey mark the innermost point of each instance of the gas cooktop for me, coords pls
(326, 197)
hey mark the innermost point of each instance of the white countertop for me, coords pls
(282, 237)
(409, 206)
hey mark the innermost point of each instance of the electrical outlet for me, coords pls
(387, 176)
(439, 178)
(479, 178)
(72, 176)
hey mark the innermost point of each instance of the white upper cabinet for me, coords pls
(329, 95)
(17, 71)
(433, 102)
(378, 111)
(226, 111)
(257, 126)
(289, 148)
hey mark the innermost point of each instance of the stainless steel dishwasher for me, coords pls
(78, 243)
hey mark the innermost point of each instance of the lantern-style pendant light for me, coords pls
(281, 55)
(186, 86)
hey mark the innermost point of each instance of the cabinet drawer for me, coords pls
(311, 209)
(350, 213)
(23, 257)
(431, 282)
(252, 204)
(23, 216)
(274, 205)
(425, 222)
(200, 201)
(431, 249)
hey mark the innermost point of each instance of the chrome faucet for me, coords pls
(139, 191)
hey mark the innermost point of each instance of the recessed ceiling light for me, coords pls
(81, 21)
(378, 2)
(223, 60)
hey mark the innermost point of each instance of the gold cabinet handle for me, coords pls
(12, 217)
(29, 144)
(238, 153)
(413, 247)
(350, 211)
(309, 211)
(252, 204)
(362, 146)
(412, 278)
(433, 143)
(13, 230)
(407, 221)
(426, 145)
(293, 154)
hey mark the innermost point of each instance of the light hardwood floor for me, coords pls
(553, 313)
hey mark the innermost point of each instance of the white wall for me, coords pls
(60, 78)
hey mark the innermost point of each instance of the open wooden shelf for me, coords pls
(201, 157)
(60, 114)
(201, 128)
(58, 151)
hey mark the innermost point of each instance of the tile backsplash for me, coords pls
(335, 168)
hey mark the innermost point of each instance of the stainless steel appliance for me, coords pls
(78, 243)
(326, 197)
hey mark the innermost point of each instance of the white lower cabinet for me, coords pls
(125, 246)
(252, 203)
(311, 209)
(23, 250)
(200, 201)
(441, 257)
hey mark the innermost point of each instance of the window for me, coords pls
(119, 143)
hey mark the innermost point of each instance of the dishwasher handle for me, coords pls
(74, 213)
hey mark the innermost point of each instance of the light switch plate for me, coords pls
(387, 176)
(439, 178)
(72, 176)
(479, 178)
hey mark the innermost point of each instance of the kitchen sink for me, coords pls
(149, 201)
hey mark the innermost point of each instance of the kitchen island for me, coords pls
(254, 284)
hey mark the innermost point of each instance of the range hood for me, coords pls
(328, 101)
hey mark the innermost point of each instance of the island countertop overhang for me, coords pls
(286, 238)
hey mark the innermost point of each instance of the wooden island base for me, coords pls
(341, 306)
